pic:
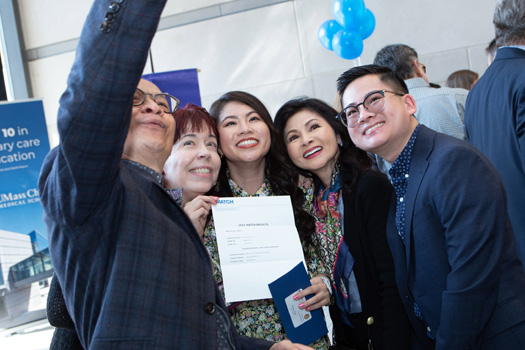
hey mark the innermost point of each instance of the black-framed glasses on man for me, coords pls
(166, 102)
(422, 66)
(374, 102)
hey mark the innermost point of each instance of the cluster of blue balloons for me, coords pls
(353, 23)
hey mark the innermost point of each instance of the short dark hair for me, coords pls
(386, 75)
(193, 118)
(399, 58)
(509, 22)
(353, 160)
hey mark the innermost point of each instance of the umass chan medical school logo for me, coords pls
(11, 199)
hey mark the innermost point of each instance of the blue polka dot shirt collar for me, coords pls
(401, 165)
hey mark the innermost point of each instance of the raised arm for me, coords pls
(95, 109)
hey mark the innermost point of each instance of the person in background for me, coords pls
(134, 272)
(350, 206)
(64, 337)
(337, 103)
(495, 113)
(439, 109)
(491, 50)
(254, 164)
(464, 79)
(448, 229)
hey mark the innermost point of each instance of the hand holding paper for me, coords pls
(198, 209)
(258, 242)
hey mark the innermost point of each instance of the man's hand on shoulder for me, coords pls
(288, 345)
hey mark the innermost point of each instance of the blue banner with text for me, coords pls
(24, 144)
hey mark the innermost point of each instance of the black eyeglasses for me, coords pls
(166, 102)
(422, 66)
(374, 102)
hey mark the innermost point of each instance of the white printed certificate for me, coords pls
(258, 243)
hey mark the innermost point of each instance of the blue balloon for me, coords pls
(348, 13)
(347, 45)
(327, 31)
(368, 24)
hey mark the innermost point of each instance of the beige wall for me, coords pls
(272, 51)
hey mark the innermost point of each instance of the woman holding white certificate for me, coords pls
(350, 206)
(254, 164)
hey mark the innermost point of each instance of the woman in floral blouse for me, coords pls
(255, 164)
(350, 206)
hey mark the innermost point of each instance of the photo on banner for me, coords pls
(24, 143)
(183, 84)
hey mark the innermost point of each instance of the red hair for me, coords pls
(193, 118)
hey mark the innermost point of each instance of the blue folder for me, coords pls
(309, 325)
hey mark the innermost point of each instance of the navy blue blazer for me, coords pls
(459, 262)
(134, 272)
(495, 124)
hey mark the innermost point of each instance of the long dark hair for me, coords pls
(353, 160)
(279, 171)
